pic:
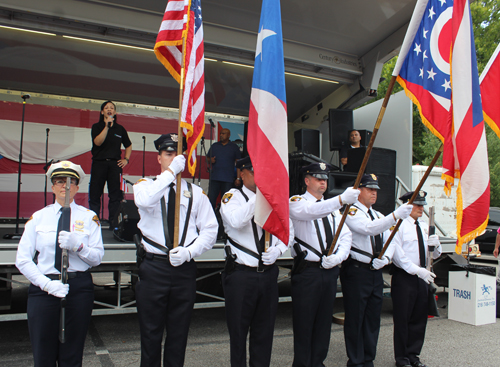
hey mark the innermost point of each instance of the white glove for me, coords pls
(380, 263)
(349, 196)
(179, 256)
(269, 257)
(69, 241)
(403, 211)
(426, 275)
(56, 288)
(178, 164)
(328, 262)
(433, 240)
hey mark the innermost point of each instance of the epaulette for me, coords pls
(296, 198)
(353, 211)
(227, 196)
(96, 219)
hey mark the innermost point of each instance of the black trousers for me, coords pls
(102, 172)
(165, 298)
(43, 323)
(409, 300)
(251, 304)
(313, 297)
(362, 289)
(216, 188)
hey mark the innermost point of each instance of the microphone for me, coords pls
(25, 96)
(211, 122)
(47, 131)
(143, 138)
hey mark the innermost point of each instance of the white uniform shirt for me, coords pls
(237, 214)
(362, 228)
(407, 254)
(40, 234)
(202, 226)
(304, 210)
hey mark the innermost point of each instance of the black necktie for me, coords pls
(421, 248)
(58, 256)
(328, 232)
(171, 211)
(378, 239)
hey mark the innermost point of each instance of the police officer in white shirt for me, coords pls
(361, 275)
(39, 260)
(250, 276)
(166, 289)
(409, 284)
(314, 275)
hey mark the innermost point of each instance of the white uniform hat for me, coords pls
(65, 169)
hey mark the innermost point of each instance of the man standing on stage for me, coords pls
(250, 278)
(314, 274)
(361, 275)
(107, 165)
(410, 283)
(222, 156)
(166, 289)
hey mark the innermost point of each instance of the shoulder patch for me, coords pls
(96, 219)
(141, 180)
(227, 196)
(353, 211)
(296, 198)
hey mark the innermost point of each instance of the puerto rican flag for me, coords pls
(490, 82)
(267, 126)
(437, 68)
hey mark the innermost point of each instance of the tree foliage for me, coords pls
(486, 25)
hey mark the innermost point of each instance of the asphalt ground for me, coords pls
(114, 340)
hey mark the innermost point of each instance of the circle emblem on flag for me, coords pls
(440, 41)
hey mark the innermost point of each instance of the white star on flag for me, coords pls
(263, 34)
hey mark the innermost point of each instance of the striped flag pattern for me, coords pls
(490, 82)
(267, 126)
(437, 68)
(183, 19)
(470, 161)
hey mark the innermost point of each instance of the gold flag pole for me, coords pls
(179, 150)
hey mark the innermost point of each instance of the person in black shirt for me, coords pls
(107, 164)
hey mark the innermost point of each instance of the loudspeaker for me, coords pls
(382, 163)
(338, 182)
(340, 123)
(296, 161)
(307, 141)
(125, 223)
(366, 135)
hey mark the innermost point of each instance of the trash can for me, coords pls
(472, 294)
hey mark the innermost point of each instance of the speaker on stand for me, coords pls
(340, 123)
(307, 141)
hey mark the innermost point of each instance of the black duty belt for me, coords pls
(73, 274)
(313, 264)
(253, 268)
(157, 257)
(359, 264)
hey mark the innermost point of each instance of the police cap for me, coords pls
(318, 170)
(244, 163)
(168, 142)
(369, 181)
(65, 169)
(419, 199)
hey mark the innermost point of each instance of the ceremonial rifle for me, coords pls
(66, 223)
(432, 306)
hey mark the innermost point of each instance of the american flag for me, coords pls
(437, 68)
(183, 19)
(267, 125)
(490, 81)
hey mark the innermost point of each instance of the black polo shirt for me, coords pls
(111, 147)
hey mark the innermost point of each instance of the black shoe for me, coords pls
(418, 364)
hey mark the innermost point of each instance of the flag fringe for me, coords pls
(471, 235)
(491, 123)
(189, 128)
